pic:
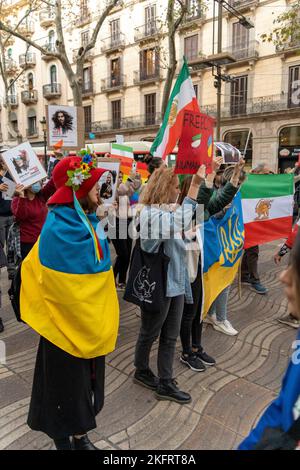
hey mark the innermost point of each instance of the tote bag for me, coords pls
(147, 280)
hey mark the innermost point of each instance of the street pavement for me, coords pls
(227, 399)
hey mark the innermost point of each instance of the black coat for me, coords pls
(67, 392)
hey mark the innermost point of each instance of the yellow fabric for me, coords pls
(215, 281)
(79, 313)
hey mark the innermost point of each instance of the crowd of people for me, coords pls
(54, 232)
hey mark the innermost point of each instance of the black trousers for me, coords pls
(123, 249)
(191, 327)
(250, 264)
(166, 325)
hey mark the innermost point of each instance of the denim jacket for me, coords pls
(159, 226)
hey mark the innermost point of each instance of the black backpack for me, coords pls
(14, 292)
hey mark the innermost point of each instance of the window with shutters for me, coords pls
(85, 38)
(240, 41)
(238, 97)
(115, 72)
(149, 64)
(87, 118)
(150, 20)
(191, 47)
(116, 114)
(32, 130)
(150, 109)
(87, 84)
(294, 87)
(196, 91)
(84, 11)
(115, 31)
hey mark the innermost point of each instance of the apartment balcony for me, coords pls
(11, 66)
(51, 91)
(243, 5)
(146, 32)
(289, 48)
(127, 123)
(88, 89)
(49, 47)
(144, 77)
(111, 84)
(12, 101)
(247, 53)
(26, 29)
(29, 97)
(32, 133)
(255, 107)
(47, 18)
(83, 19)
(88, 56)
(113, 44)
(192, 20)
(27, 60)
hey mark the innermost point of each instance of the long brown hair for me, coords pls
(157, 190)
(184, 189)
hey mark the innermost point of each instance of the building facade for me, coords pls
(124, 75)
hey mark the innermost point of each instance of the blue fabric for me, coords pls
(65, 231)
(280, 412)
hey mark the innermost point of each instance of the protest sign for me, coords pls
(196, 143)
(24, 165)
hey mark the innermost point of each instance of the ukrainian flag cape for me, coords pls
(221, 252)
(67, 296)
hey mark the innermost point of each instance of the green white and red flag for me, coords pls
(182, 99)
(267, 202)
(125, 154)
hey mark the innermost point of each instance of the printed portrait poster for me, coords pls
(196, 143)
(228, 152)
(108, 182)
(24, 165)
(64, 123)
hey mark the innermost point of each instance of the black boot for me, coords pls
(83, 443)
(146, 378)
(168, 390)
(1, 325)
(63, 443)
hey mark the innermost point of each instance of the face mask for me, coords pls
(36, 187)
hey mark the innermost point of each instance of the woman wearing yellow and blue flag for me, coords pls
(68, 296)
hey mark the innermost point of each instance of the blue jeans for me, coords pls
(219, 306)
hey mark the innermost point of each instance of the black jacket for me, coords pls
(5, 206)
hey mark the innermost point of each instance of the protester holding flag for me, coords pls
(162, 191)
(250, 274)
(279, 426)
(121, 240)
(217, 314)
(68, 296)
(193, 355)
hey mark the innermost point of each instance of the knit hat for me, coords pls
(74, 175)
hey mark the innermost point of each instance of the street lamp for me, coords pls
(44, 129)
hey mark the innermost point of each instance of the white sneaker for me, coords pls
(225, 327)
(210, 319)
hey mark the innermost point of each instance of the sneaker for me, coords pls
(1, 325)
(193, 362)
(258, 288)
(290, 321)
(246, 281)
(205, 358)
(170, 391)
(146, 378)
(225, 327)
